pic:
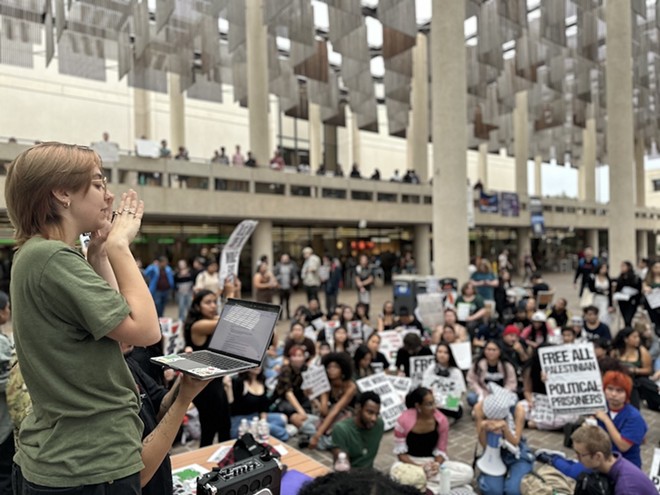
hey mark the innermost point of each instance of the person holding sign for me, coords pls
(446, 381)
(490, 366)
(362, 362)
(470, 307)
(387, 320)
(378, 360)
(412, 346)
(421, 435)
(289, 396)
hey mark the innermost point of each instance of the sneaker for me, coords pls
(291, 430)
(303, 441)
(545, 455)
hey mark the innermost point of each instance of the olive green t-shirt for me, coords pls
(361, 445)
(84, 427)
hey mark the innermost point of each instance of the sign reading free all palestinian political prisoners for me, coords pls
(391, 405)
(573, 382)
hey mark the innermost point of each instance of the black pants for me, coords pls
(645, 389)
(654, 315)
(213, 413)
(129, 485)
(628, 310)
(312, 292)
(330, 303)
(285, 294)
(6, 463)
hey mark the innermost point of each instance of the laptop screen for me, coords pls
(245, 329)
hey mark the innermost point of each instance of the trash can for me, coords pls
(407, 287)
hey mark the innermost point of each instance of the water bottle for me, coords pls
(254, 426)
(243, 428)
(342, 464)
(263, 431)
(445, 480)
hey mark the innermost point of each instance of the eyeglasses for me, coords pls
(580, 456)
(103, 182)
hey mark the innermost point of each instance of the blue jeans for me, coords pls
(472, 398)
(184, 300)
(509, 484)
(160, 298)
(276, 421)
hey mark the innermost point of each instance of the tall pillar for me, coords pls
(450, 239)
(262, 243)
(640, 183)
(620, 149)
(592, 241)
(177, 114)
(538, 189)
(422, 247)
(142, 113)
(257, 81)
(419, 123)
(642, 245)
(521, 143)
(483, 165)
(315, 149)
(355, 145)
(330, 147)
(652, 243)
(581, 192)
(588, 168)
(524, 245)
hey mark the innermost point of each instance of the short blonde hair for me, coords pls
(594, 438)
(34, 175)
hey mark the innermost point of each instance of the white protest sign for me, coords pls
(391, 405)
(447, 390)
(173, 340)
(318, 323)
(310, 333)
(330, 327)
(431, 308)
(107, 150)
(462, 311)
(354, 329)
(418, 365)
(316, 379)
(147, 148)
(378, 367)
(401, 384)
(654, 474)
(574, 383)
(231, 253)
(541, 411)
(462, 352)
(366, 332)
(390, 343)
(653, 298)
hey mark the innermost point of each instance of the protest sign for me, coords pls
(418, 365)
(401, 384)
(390, 343)
(231, 253)
(366, 332)
(378, 367)
(173, 339)
(462, 352)
(330, 327)
(354, 329)
(146, 148)
(318, 323)
(391, 405)
(447, 390)
(654, 474)
(462, 311)
(310, 333)
(431, 309)
(107, 150)
(574, 383)
(653, 298)
(316, 380)
(541, 411)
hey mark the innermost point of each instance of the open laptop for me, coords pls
(239, 342)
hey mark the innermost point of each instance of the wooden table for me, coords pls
(294, 459)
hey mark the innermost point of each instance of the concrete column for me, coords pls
(450, 239)
(315, 148)
(538, 189)
(142, 113)
(262, 243)
(581, 193)
(483, 165)
(592, 241)
(257, 81)
(620, 148)
(330, 147)
(521, 143)
(642, 245)
(588, 168)
(652, 243)
(356, 150)
(177, 114)
(419, 123)
(524, 245)
(422, 249)
(640, 192)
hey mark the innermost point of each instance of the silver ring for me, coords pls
(126, 209)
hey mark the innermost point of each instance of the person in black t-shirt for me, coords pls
(594, 329)
(412, 346)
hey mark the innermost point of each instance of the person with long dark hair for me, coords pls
(490, 366)
(289, 397)
(444, 376)
(629, 287)
(362, 362)
(600, 285)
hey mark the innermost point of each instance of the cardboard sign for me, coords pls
(390, 343)
(401, 384)
(542, 411)
(316, 380)
(431, 307)
(391, 405)
(574, 383)
(231, 253)
(418, 365)
(447, 390)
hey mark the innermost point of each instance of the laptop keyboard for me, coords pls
(218, 361)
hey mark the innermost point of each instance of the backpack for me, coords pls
(546, 480)
(19, 403)
(593, 483)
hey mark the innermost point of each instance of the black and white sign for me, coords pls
(391, 405)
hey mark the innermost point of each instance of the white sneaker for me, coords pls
(291, 430)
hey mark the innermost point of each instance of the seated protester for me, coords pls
(289, 397)
(341, 341)
(347, 315)
(462, 334)
(577, 324)
(499, 414)
(332, 406)
(568, 335)
(297, 337)
(408, 320)
(273, 361)
(359, 437)
(533, 385)
(421, 435)
(361, 314)
(378, 360)
(161, 412)
(627, 348)
(387, 320)
(538, 285)
(475, 304)
(593, 328)
(302, 315)
(514, 349)
(323, 350)
(523, 316)
(443, 333)
(593, 448)
(313, 311)
(362, 362)
(412, 346)
(490, 366)
(559, 313)
(622, 422)
(537, 332)
(247, 397)
(445, 375)
(490, 329)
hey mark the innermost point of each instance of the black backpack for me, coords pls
(593, 483)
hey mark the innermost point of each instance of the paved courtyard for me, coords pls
(463, 437)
